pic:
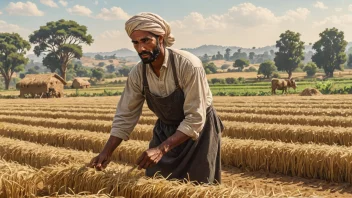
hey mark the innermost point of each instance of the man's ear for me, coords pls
(161, 41)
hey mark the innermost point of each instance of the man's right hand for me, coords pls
(100, 162)
(103, 159)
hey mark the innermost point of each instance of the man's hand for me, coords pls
(103, 159)
(152, 156)
(100, 162)
(149, 158)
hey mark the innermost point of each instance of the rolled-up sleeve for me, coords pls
(195, 88)
(129, 107)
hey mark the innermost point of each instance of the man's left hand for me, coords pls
(149, 158)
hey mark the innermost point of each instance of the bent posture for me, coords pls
(186, 136)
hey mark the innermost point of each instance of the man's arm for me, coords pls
(127, 114)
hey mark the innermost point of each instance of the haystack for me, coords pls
(79, 83)
(42, 85)
(310, 92)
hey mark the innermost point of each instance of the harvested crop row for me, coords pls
(240, 130)
(294, 120)
(289, 133)
(285, 104)
(37, 155)
(239, 117)
(229, 109)
(139, 131)
(73, 139)
(76, 116)
(17, 180)
(330, 163)
(118, 181)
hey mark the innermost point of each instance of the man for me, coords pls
(186, 136)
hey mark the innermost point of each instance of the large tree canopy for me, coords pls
(330, 51)
(61, 40)
(291, 52)
(12, 51)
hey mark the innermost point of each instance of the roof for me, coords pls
(81, 81)
(40, 79)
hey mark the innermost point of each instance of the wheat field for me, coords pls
(283, 146)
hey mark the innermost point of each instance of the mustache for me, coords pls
(145, 52)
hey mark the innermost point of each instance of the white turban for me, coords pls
(153, 23)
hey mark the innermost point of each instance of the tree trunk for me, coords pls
(7, 83)
(63, 71)
(289, 74)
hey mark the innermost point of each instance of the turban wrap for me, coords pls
(150, 22)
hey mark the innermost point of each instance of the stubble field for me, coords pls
(272, 147)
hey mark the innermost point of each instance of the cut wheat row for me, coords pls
(116, 180)
(241, 130)
(330, 163)
(229, 109)
(17, 180)
(251, 105)
(336, 121)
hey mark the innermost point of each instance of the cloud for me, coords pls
(0, 13)
(49, 3)
(343, 20)
(24, 9)
(115, 13)
(10, 28)
(63, 3)
(110, 34)
(96, 2)
(79, 10)
(320, 5)
(338, 9)
(299, 13)
(350, 7)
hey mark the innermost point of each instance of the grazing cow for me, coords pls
(282, 84)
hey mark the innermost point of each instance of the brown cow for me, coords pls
(282, 84)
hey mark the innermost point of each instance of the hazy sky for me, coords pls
(194, 22)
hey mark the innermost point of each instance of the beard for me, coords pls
(152, 55)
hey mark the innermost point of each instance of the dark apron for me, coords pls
(198, 161)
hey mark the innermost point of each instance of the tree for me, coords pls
(227, 54)
(330, 51)
(267, 68)
(62, 41)
(101, 64)
(251, 56)
(349, 63)
(110, 68)
(32, 71)
(99, 57)
(205, 58)
(241, 63)
(225, 66)
(124, 71)
(291, 52)
(12, 59)
(219, 56)
(98, 73)
(211, 67)
(311, 68)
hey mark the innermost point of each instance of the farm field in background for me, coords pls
(272, 145)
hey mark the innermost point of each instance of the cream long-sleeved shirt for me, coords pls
(192, 80)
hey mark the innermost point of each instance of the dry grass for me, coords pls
(17, 180)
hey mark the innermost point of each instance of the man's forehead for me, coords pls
(137, 35)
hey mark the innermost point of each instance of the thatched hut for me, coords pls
(79, 83)
(42, 85)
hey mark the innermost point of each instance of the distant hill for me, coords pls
(123, 52)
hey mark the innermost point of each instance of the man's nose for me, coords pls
(140, 48)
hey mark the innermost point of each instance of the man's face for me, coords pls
(147, 45)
